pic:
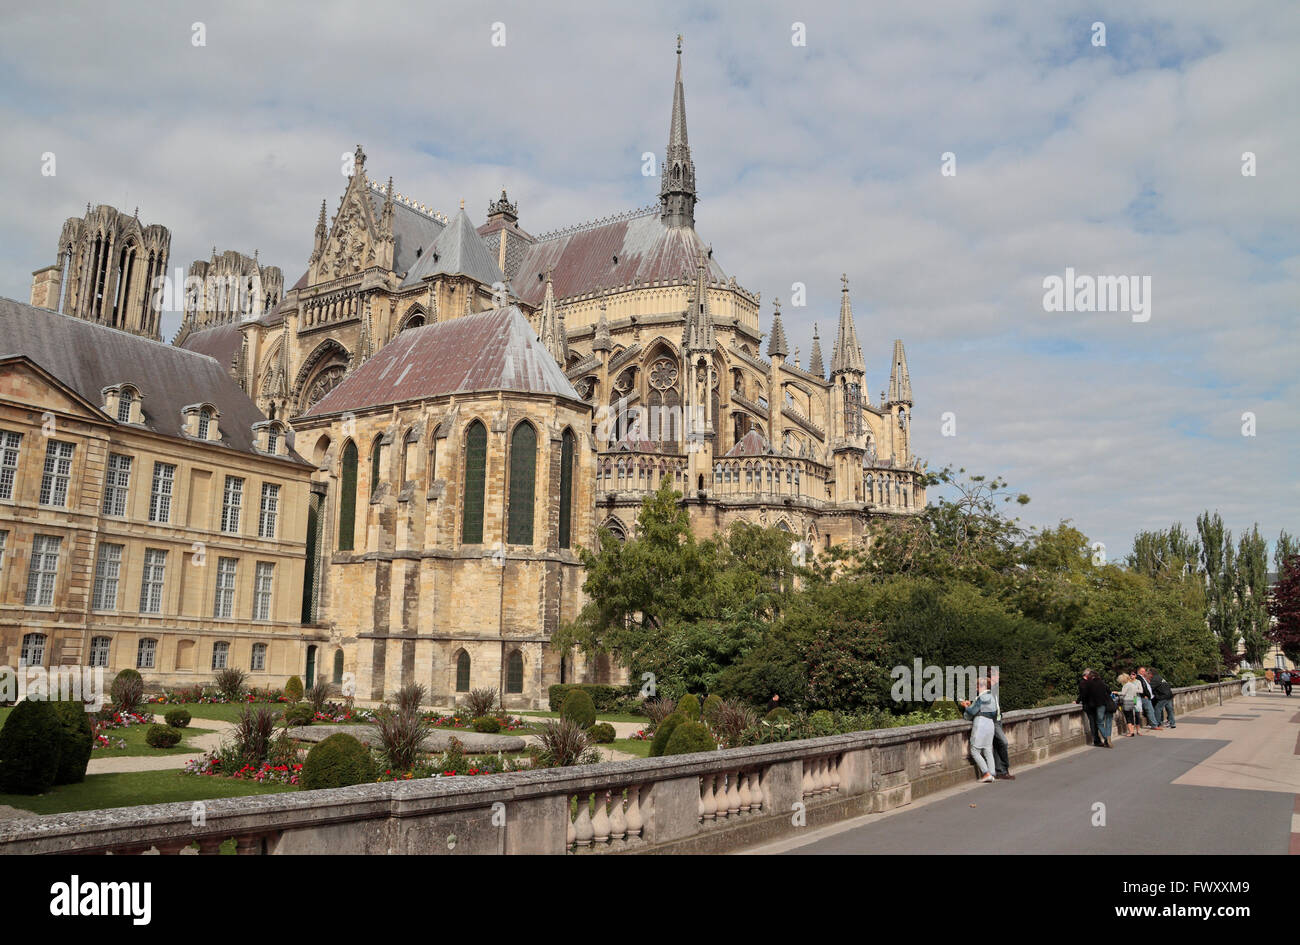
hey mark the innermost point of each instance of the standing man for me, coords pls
(1089, 709)
(1163, 694)
(1147, 708)
(1288, 677)
(1001, 752)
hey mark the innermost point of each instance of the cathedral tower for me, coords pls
(677, 184)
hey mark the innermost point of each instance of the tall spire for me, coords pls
(900, 384)
(697, 334)
(847, 353)
(815, 365)
(776, 344)
(602, 341)
(552, 326)
(677, 182)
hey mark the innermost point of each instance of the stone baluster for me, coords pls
(746, 795)
(617, 819)
(836, 760)
(210, 846)
(582, 828)
(806, 788)
(823, 783)
(634, 821)
(600, 823)
(709, 809)
(756, 791)
(570, 835)
(248, 846)
(733, 793)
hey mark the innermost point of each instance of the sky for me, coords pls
(819, 133)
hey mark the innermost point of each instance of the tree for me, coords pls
(1284, 608)
(1250, 580)
(1220, 590)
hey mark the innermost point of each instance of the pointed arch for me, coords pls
(515, 673)
(475, 480)
(462, 670)
(348, 496)
(568, 446)
(320, 366)
(523, 483)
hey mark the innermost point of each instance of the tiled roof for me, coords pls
(487, 351)
(611, 254)
(89, 357)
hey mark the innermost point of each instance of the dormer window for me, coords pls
(271, 436)
(272, 440)
(201, 422)
(205, 421)
(120, 402)
(125, 401)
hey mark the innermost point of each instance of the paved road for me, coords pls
(1216, 784)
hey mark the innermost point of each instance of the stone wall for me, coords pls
(708, 802)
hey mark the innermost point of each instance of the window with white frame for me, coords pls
(116, 483)
(230, 504)
(124, 401)
(224, 605)
(43, 569)
(220, 655)
(145, 653)
(259, 658)
(262, 590)
(9, 443)
(205, 420)
(151, 582)
(272, 439)
(270, 510)
(33, 652)
(160, 496)
(108, 568)
(99, 651)
(58, 472)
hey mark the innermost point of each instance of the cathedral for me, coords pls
(476, 401)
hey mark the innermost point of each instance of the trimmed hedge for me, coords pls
(665, 732)
(162, 736)
(177, 718)
(689, 706)
(300, 714)
(578, 707)
(690, 737)
(602, 733)
(604, 698)
(779, 716)
(78, 741)
(293, 689)
(711, 706)
(487, 724)
(30, 746)
(127, 691)
(339, 761)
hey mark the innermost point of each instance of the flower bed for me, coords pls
(266, 773)
(197, 695)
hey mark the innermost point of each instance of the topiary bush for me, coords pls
(30, 746)
(710, 709)
(689, 706)
(338, 761)
(579, 708)
(663, 732)
(78, 741)
(300, 714)
(293, 689)
(127, 690)
(779, 716)
(605, 698)
(162, 736)
(487, 724)
(602, 733)
(690, 737)
(177, 718)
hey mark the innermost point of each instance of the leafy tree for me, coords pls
(1217, 562)
(1251, 588)
(1284, 608)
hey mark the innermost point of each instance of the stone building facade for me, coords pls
(150, 517)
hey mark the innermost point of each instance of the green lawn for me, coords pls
(100, 791)
(600, 716)
(219, 711)
(632, 746)
(137, 746)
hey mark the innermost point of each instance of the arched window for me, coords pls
(348, 497)
(566, 489)
(523, 475)
(515, 672)
(376, 452)
(471, 532)
(462, 672)
(33, 652)
(205, 421)
(338, 667)
(124, 401)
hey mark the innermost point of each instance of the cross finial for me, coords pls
(776, 304)
(844, 279)
(679, 44)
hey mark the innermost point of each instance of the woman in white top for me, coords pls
(1130, 694)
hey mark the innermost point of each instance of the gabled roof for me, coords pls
(458, 251)
(488, 351)
(640, 248)
(413, 232)
(87, 358)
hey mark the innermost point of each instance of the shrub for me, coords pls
(283, 751)
(779, 716)
(689, 706)
(299, 714)
(479, 702)
(664, 732)
(293, 689)
(409, 698)
(177, 718)
(730, 722)
(230, 683)
(162, 736)
(659, 709)
(602, 733)
(402, 731)
(690, 737)
(487, 724)
(562, 744)
(604, 698)
(29, 748)
(317, 696)
(710, 708)
(253, 733)
(578, 708)
(77, 742)
(338, 761)
(127, 691)
(821, 723)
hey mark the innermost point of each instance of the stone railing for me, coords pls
(705, 802)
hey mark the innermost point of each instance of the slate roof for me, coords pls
(412, 231)
(751, 444)
(88, 357)
(220, 342)
(486, 351)
(584, 259)
(458, 250)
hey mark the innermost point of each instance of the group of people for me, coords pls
(1286, 677)
(1143, 696)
